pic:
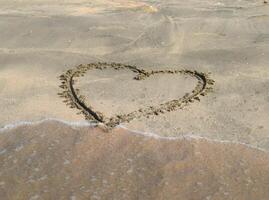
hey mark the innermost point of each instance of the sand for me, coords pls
(52, 160)
(42, 39)
(140, 80)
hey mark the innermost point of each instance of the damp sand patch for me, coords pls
(73, 97)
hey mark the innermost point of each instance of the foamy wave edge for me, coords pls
(146, 134)
(70, 123)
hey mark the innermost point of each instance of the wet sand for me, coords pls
(74, 99)
(41, 40)
(52, 160)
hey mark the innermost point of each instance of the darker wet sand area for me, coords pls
(52, 160)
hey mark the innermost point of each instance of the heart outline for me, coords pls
(75, 100)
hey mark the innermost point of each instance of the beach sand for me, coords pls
(53, 160)
(223, 139)
(40, 40)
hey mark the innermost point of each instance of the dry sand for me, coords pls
(52, 160)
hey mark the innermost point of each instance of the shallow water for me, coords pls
(54, 160)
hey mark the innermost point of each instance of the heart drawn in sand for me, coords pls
(75, 100)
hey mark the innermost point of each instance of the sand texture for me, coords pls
(202, 89)
(74, 99)
(52, 160)
(40, 40)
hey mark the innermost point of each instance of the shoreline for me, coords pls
(52, 160)
(130, 131)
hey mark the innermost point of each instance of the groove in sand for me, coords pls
(75, 100)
